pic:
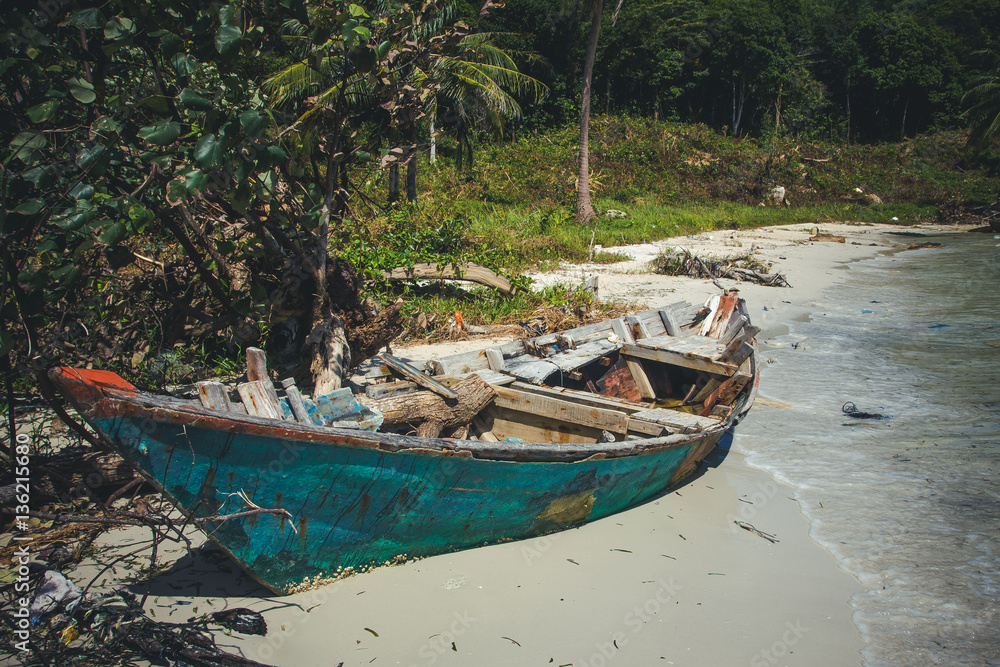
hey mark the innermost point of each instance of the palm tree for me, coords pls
(477, 85)
(984, 99)
(466, 76)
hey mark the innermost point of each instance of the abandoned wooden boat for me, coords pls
(574, 426)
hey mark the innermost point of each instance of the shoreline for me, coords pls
(673, 581)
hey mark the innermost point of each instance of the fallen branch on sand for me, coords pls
(470, 272)
(70, 625)
(743, 268)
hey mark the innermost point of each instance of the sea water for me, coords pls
(909, 504)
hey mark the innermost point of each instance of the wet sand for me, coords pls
(673, 582)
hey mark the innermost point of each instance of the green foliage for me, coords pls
(674, 179)
(821, 69)
(160, 138)
(984, 104)
(148, 178)
(406, 238)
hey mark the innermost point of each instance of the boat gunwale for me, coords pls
(140, 405)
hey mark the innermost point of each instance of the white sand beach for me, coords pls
(672, 582)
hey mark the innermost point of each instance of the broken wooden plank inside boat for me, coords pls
(515, 440)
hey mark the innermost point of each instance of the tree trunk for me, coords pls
(394, 167)
(848, 111)
(411, 170)
(902, 127)
(738, 103)
(433, 144)
(584, 209)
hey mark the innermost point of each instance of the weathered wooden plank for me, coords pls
(624, 331)
(685, 422)
(494, 378)
(387, 389)
(515, 425)
(377, 372)
(713, 383)
(699, 346)
(741, 354)
(670, 324)
(735, 327)
(494, 357)
(258, 400)
(214, 396)
(531, 369)
(713, 308)
(679, 359)
(257, 371)
(412, 374)
(570, 360)
(466, 362)
(719, 322)
(582, 397)
(725, 393)
(638, 327)
(295, 401)
(483, 431)
(734, 353)
(645, 428)
(600, 418)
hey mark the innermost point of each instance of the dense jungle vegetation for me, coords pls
(183, 179)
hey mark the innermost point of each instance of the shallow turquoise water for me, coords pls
(911, 504)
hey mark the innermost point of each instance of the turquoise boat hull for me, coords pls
(361, 499)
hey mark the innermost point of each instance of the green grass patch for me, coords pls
(513, 210)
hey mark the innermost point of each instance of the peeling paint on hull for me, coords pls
(358, 507)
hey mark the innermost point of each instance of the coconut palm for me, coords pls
(464, 79)
(984, 99)
(478, 88)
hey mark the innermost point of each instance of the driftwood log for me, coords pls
(470, 272)
(431, 413)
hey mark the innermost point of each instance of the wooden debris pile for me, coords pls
(743, 268)
(958, 213)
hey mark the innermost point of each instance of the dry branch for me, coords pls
(743, 268)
